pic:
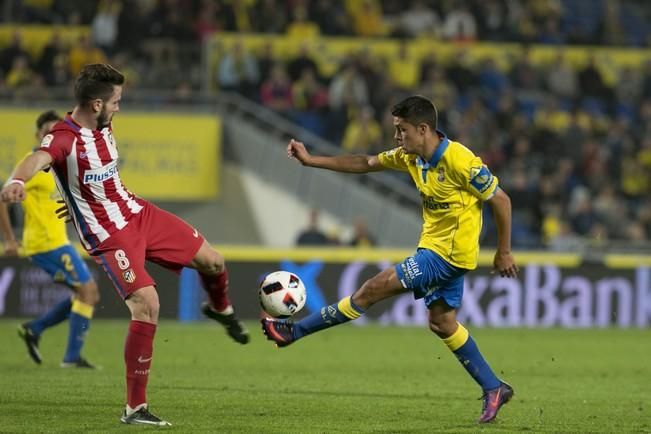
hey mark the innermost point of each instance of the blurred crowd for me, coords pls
(571, 148)
(116, 22)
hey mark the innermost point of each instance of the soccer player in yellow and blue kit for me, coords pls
(453, 184)
(45, 241)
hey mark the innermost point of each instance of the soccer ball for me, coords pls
(282, 294)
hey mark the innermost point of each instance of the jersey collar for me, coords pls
(438, 154)
(75, 126)
(71, 122)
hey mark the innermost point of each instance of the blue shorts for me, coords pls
(431, 277)
(64, 265)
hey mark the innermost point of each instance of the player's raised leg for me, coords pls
(383, 285)
(214, 275)
(443, 322)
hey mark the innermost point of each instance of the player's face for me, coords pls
(109, 108)
(408, 136)
(45, 128)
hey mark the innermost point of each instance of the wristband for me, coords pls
(17, 181)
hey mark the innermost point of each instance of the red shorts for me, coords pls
(153, 235)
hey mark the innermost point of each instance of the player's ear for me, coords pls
(97, 105)
(422, 128)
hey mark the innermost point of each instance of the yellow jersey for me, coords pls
(42, 230)
(452, 185)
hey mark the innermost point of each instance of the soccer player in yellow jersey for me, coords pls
(453, 183)
(46, 243)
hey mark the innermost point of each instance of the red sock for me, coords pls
(138, 351)
(217, 288)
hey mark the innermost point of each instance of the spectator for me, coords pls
(276, 92)
(12, 51)
(301, 62)
(104, 27)
(84, 53)
(561, 78)
(591, 81)
(312, 235)
(404, 68)
(271, 16)
(301, 27)
(493, 20)
(330, 16)
(363, 134)
(20, 74)
(308, 94)
(361, 235)
(52, 56)
(238, 71)
(460, 25)
(131, 28)
(367, 18)
(206, 22)
(347, 92)
(418, 20)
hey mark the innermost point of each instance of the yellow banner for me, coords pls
(17, 137)
(169, 156)
(162, 156)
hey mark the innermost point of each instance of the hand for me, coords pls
(11, 247)
(505, 264)
(297, 151)
(12, 192)
(63, 212)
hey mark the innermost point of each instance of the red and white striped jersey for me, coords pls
(85, 166)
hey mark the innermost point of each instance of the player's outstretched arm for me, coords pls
(503, 262)
(338, 163)
(14, 188)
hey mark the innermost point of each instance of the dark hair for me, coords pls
(46, 117)
(417, 110)
(96, 81)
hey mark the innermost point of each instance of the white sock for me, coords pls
(130, 410)
(229, 310)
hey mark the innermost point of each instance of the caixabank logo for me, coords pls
(542, 296)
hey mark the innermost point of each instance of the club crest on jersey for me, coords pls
(104, 173)
(47, 140)
(110, 139)
(129, 276)
(441, 176)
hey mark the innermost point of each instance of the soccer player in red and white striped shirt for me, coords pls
(120, 230)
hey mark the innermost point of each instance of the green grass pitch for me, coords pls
(346, 380)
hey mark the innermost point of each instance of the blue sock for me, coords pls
(466, 350)
(79, 322)
(329, 316)
(54, 316)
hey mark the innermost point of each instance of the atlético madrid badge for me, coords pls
(129, 276)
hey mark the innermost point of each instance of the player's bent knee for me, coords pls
(144, 305)
(88, 293)
(442, 327)
(208, 260)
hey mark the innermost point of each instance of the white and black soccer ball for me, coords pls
(282, 294)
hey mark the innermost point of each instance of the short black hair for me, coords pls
(416, 110)
(45, 117)
(96, 81)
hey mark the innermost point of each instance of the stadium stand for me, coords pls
(554, 95)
